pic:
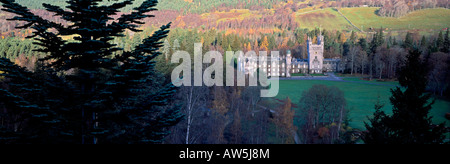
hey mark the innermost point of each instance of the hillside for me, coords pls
(366, 19)
(188, 6)
(268, 16)
(325, 18)
(427, 19)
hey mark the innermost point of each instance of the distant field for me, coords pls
(360, 99)
(366, 18)
(235, 14)
(327, 18)
(423, 19)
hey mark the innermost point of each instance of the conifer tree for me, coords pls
(377, 41)
(395, 42)
(353, 37)
(440, 40)
(408, 43)
(423, 42)
(410, 122)
(446, 46)
(116, 97)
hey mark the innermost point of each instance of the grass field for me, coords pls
(327, 18)
(298, 74)
(302, 74)
(375, 81)
(365, 18)
(360, 99)
(235, 14)
(422, 19)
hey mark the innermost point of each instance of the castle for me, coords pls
(287, 65)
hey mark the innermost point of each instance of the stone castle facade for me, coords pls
(287, 65)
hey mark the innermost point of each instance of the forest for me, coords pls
(124, 91)
(378, 57)
(204, 6)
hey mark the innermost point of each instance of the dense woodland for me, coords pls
(232, 115)
(217, 115)
(272, 14)
(204, 6)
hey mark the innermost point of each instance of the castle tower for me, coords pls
(315, 55)
(288, 63)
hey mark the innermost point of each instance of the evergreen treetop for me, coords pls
(117, 97)
(410, 122)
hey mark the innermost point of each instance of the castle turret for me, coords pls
(288, 63)
(320, 40)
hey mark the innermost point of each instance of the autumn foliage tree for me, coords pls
(264, 44)
(283, 118)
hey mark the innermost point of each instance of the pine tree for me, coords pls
(353, 37)
(395, 42)
(236, 45)
(408, 43)
(118, 96)
(272, 43)
(440, 41)
(446, 46)
(378, 132)
(409, 123)
(423, 42)
(29, 117)
(363, 43)
(377, 41)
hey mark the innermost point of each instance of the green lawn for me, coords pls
(298, 74)
(302, 74)
(319, 74)
(375, 81)
(360, 99)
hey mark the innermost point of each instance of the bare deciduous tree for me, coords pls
(322, 106)
(194, 102)
(361, 60)
(437, 79)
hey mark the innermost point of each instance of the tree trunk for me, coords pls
(371, 70)
(340, 122)
(189, 114)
